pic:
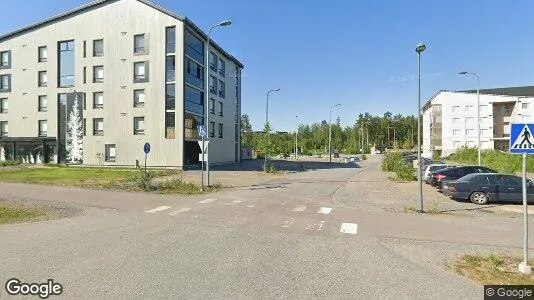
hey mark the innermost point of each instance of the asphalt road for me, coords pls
(281, 239)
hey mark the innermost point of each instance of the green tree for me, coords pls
(246, 131)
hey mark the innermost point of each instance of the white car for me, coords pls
(434, 167)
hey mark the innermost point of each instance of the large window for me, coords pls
(190, 124)
(194, 73)
(5, 59)
(213, 85)
(98, 74)
(170, 122)
(222, 90)
(194, 100)
(213, 61)
(140, 44)
(110, 152)
(170, 99)
(43, 103)
(98, 48)
(141, 71)
(5, 83)
(98, 126)
(194, 48)
(3, 128)
(170, 39)
(222, 67)
(43, 128)
(98, 100)
(42, 53)
(66, 64)
(212, 106)
(139, 98)
(3, 106)
(139, 125)
(170, 68)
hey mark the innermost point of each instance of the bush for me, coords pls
(363, 157)
(144, 180)
(10, 163)
(394, 162)
(493, 159)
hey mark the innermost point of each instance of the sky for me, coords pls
(358, 53)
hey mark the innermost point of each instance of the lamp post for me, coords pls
(267, 118)
(330, 134)
(296, 135)
(419, 49)
(206, 96)
(478, 111)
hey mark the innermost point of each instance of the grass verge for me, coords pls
(179, 186)
(491, 269)
(10, 214)
(494, 159)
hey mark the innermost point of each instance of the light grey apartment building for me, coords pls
(137, 73)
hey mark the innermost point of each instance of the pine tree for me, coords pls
(74, 135)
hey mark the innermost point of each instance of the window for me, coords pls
(506, 110)
(139, 125)
(469, 108)
(139, 44)
(456, 144)
(236, 94)
(220, 108)
(98, 100)
(222, 91)
(139, 98)
(43, 78)
(3, 106)
(5, 59)
(170, 68)
(98, 74)
(43, 103)
(170, 99)
(3, 128)
(170, 122)
(220, 130)
(456, 132)
(194, 74)
(170, 38)
(5, 83)
(98, 126)
(483, 132)
(66, 64)
(141, 71)
(470, 121)
(212, 106)
(194, 100)
(484, 121)
(43, 128)
(84, 49)
(213, 85)
(469, 132)
(213, 61)
(84, 75)
(456, 108)
(212, 129)
(524, 105)
(222, 67)
(194, 48)
(470, 144)
(190, 124)
(98, 48)
(525, 118)
(110, 152)
(42, 53)
(483, 109)
(237, 114)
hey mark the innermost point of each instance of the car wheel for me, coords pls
(479, 198)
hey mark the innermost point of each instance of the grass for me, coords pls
(9, 163)
(179, 186)
(491, 269)
(9, 214)
(493, 159)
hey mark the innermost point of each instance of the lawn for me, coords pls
(9, 214)
(491, 269)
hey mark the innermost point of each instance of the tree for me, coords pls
(246, 131)
(74, 135)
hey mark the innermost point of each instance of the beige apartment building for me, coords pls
(137, 73)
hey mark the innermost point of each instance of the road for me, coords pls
(280, 239)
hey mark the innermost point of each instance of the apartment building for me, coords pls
(450, 118)
(136, 71)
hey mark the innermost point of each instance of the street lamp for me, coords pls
(478, 110)
(419, 49)
(330, 134)
(267, 118)
(206, 95)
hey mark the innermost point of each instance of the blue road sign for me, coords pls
(201, 130)
(521, 138)
(146, 148)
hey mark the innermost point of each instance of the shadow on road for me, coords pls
(284, 165)
(470, 209)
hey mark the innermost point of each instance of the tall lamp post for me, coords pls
(267, 117)
(478, 111)
(330, 134)
(419, 49)
(206, 95)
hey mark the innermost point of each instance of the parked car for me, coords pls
(482, 188)
(454, 173)
(432, 168)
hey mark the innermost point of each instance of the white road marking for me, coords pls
(324, 210)
(299, 208)
(157, 209)
(315, 226)
(234, 202)
(209, 200)
(350, 228)
(179, 211)
(288, 222)
(250, 206)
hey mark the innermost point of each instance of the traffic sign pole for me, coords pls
(202, 170)
(525, 217)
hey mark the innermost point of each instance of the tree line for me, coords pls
(387, 131)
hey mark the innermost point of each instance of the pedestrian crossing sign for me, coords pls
(521, 138)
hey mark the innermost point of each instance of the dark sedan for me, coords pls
(454, 173)
(482, 188)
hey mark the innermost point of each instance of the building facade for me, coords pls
(450, 119)
(137, 73)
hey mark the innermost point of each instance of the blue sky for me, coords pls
(357, 53)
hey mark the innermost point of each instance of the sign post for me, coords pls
(522, 142)
(202, 132)
(146, 148)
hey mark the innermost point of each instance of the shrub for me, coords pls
(363, 157)
(9, 163)
(144, 180)
(394, 162)
(494, 159)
